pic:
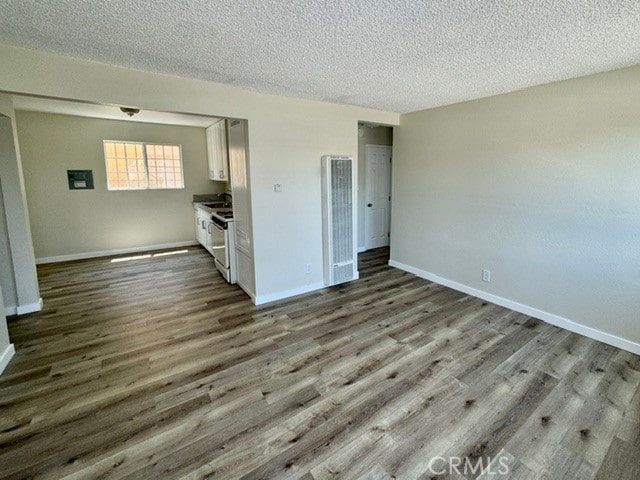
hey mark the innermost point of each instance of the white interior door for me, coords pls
(377, 196)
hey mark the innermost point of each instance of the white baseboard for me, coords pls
(294, 292)
(108, 253)
(24, 309)
(272, 297)
(6, 356)
(551, 318)
(362, 249)
(30, 307)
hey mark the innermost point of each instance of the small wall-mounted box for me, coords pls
(80, 179)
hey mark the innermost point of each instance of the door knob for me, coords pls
(369, 204)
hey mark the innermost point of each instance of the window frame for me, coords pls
(145, 159)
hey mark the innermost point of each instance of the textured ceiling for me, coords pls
(396, 55)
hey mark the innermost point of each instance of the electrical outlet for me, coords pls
(277, 188)
(307, 268)
(486, 275)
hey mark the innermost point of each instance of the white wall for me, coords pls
(18, 277)
(6, 347)
(371, 135)
(70, 222)
(7, 275)
(4, 331)
(287, 137)
(540, 186)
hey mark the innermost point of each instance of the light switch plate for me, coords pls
(277, 187)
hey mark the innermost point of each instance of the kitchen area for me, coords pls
(152, 181)
(223, 221)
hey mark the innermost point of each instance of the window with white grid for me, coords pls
(143, 166)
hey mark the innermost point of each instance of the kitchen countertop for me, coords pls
(212, 210)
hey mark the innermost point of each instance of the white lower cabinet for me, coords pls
(203, 229)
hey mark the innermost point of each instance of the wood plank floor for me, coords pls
(155, 368)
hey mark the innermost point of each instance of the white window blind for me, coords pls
(143, 166)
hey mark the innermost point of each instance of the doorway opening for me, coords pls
(375, 144)
(158, 178)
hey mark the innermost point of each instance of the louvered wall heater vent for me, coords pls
(338, 220)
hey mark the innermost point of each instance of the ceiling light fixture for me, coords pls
(129, 111)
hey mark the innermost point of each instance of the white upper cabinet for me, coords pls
(217, 151)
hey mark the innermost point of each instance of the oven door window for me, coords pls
(219, 245)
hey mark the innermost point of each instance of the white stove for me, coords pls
(218, 236)
(223, 241)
